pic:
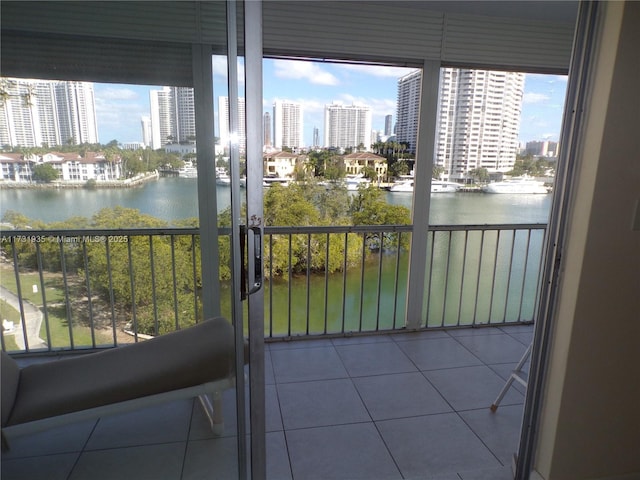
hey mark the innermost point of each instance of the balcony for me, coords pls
(389, 406)
(350, 391)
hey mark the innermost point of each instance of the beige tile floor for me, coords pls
(410, 405)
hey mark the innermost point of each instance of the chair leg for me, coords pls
(212, 406)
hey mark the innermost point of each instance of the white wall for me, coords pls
(590, 426)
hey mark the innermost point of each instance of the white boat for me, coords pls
(268, 181)
(222, 177)
(354, 181)
(402, 186)
(437, 186)
(441, 186)
(188, 170)
(524, 184)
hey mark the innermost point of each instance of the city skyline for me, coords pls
(313, 85)
(47, 112)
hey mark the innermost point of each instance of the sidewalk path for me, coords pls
(33, 317)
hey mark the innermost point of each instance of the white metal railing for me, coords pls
(89, 289)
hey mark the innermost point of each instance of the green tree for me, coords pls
(45, 173)
(480, 174)
(437, 171)
(399, 168)
(368, 207)
(369, 172)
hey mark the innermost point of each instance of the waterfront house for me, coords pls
(354, 163)
(281, 164)
(16, 167)
(71, 167)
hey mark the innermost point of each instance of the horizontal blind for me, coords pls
(504, 43)
(395, 32)
(150, 42)
(125, 42)
(95, 59)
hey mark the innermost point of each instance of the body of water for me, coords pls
(173, 199)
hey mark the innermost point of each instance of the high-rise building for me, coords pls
(76, 112)
(185, 113)
(266, 122)
(287, 124)
(478, 118)
(347, 126)
(47, 112)
(387, 125)
(223, 122)
(542, 148)
(408, 106)
(316, 137)
(163, 117)
(173, 116)
(145, 123)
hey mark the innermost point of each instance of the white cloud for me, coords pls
(533, 97)
(380, 106)
(220, 69)
(377, 70)
(116, 94)
(298, 70)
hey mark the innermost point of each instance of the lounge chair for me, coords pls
(196, 361)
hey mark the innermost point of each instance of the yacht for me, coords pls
(441, 186)
(524, 184)
(188, 170)
(354, 181)
(270, 180)
(405, 185)
(437, 186)
(222, 177)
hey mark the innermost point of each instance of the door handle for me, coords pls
(255, 259)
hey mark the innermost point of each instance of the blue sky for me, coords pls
(315, 84)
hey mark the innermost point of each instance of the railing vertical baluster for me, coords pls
(379, 280)
(132, 283)
(344, 281)
(524, 273)
(464, 264)
(362, 263)
(289, 284)
(23, 315)
(87, 280)
(480, 257)
(270, 286)
(539, 275)
(152, 264)
(396, 281)
(493, 281)
(430, 279)
(174, 281)
(112, 300)
(446, 281)
(506, 296)
(308, 279)
(45, 308)
(326, 283)
(65, 281)
(194, 267)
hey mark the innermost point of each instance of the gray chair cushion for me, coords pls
(10, 372)
(189, 357)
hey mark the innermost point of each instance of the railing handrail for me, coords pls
(275, 230)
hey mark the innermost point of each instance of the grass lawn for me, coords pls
(56, 309)
(7, 312)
